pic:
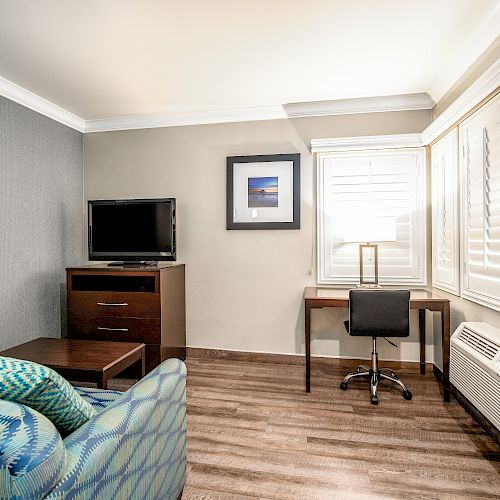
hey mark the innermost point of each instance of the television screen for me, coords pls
(132, 229)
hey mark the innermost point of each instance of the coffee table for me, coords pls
(82, 360)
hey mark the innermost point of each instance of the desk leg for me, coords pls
(421, 328)
(445, 330)
(307, 332)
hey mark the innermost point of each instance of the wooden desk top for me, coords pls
(339, 297)
(84, 355)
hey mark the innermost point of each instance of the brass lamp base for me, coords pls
(368, 248)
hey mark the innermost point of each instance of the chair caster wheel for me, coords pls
(407, 395)
(343, 386)
(374, 400)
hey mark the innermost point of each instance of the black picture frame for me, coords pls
(232, 160)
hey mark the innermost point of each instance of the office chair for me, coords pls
(378, 313)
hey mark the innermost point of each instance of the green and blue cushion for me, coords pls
(98, 398)
(32, 453)
(44, 390)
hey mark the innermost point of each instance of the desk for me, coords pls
(317, 298)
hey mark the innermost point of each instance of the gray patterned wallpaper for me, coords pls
(41, 221)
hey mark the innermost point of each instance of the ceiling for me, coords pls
(115, 58)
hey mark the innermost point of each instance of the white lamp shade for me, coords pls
(369, 229)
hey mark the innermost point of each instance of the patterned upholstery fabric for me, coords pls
(44, 390)
(32, 453)
(98, 398)
(135, 448)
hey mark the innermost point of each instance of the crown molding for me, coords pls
(402, 102)
(183, 119)
(487, 83)
(32, 101)
(339, 144)
(464, 58)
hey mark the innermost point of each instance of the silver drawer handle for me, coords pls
(109, 304)
(112, 329)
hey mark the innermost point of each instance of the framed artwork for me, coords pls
(263, 192)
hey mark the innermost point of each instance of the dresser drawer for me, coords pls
(115, 304)
(147, 330)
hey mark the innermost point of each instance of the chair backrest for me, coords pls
(379, 313)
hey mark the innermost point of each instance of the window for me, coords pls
(445, 214)
(480, 161)
(387, 182)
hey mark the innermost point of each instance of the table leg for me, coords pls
(141, 366)
(308, 346)
(421, 328)
(445, 330)
(102, 383)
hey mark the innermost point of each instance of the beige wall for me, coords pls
(361, 124)
(244, 288)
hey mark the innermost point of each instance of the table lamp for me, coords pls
(366, 231)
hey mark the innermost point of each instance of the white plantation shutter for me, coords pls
(445, 214)
(377, 184)
(480, 149)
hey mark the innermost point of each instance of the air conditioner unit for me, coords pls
(475, 367)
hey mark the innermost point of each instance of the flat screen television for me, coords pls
(133, 231)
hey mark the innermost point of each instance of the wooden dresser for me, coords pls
(143, 304)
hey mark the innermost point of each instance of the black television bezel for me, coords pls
(99, 256)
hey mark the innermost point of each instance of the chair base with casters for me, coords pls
(375, 374)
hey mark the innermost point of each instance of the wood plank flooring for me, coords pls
(254, 433)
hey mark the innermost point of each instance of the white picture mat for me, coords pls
(243, 171)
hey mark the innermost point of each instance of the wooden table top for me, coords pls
(86, 355)
(319, 293)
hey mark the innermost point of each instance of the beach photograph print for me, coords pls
(262, 192)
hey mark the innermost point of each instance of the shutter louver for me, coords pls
(445, 229)
(492, 171)
(480, 136)
(377, 183)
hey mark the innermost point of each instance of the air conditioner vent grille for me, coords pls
(479, 343)
(476, 384)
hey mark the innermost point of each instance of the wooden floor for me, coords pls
(254, 433)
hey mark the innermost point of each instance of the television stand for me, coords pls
(140, 305)
(134, 263)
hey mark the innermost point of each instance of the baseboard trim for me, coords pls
(286, 359)
(258, 357)
(481, 420)
(437, 373)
